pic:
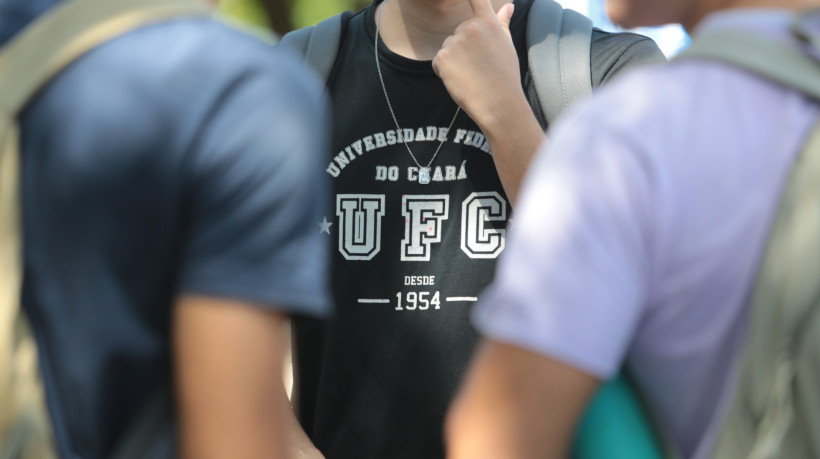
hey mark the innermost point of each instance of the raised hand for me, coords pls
(478, 63)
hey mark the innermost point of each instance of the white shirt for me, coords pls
(641, 226)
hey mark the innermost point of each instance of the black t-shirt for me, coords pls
(409, 259)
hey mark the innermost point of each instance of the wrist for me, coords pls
(503, 119)
(505, 115)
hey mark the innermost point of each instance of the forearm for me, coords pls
(516, 404)
(514, 136)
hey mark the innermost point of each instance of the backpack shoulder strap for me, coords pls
(319, 44)
(771, 60)
(775, 408)
(558, 49)
(27, 63)
(68, 31)
(774, 412)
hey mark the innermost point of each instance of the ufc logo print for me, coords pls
(360, 227)
(423, 215)
(478, 240)
(360, 224)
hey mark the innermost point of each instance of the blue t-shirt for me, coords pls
(184, 157)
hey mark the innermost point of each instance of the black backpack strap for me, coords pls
(319, 44)
(558, 49)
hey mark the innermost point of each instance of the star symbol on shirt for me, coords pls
(324, 227)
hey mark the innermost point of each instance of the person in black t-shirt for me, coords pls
(430, 140)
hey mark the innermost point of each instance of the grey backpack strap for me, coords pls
(776, 409)
(319, 44)
(73, 28)
(775, 412)
(777, 62)
(27, 63)
(298, 39)
(558, 43)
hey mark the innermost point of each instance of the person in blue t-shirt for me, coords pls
(171, 181)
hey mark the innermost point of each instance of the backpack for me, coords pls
(27, 63)
(775, 411)
(558, 49)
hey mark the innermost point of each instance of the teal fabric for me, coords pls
(616, 426)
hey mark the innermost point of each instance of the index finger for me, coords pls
(482, 8)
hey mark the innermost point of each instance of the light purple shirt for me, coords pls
(641, 226)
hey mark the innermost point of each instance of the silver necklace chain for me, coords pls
(424, 171)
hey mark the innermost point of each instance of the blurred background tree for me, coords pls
(285, 15)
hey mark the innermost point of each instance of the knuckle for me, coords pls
(472, 29)
(442, 55)
(436, 68)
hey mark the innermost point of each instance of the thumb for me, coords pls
(505, 14)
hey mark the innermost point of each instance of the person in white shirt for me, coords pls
(636, 241)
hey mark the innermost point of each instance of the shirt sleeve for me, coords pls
(572, 282)
(612, 54)
(258, 192)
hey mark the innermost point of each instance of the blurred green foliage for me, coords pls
(302, 12)
(309, 12)
(249, 11)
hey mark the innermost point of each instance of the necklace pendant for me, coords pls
(424, 175)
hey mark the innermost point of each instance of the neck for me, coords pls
(707, 7)
(417, 28)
